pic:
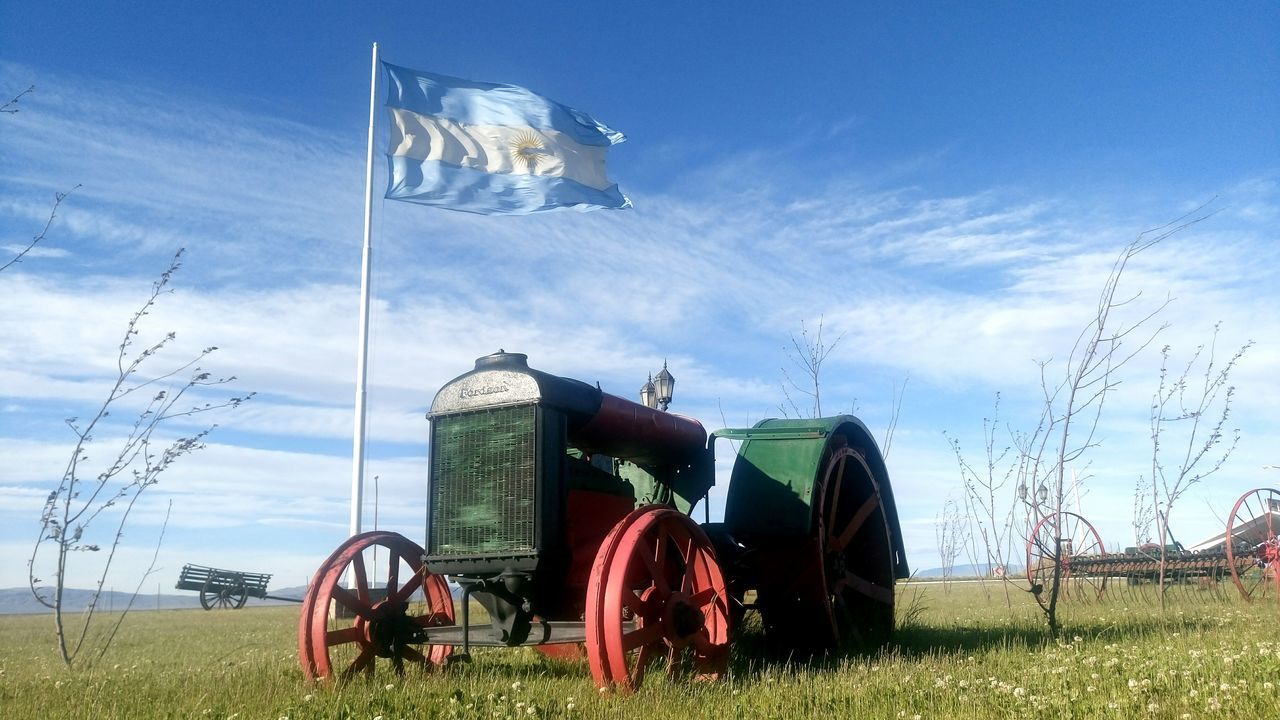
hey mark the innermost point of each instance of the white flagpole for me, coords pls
(357, 459)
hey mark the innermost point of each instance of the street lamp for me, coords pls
(1042, 494)
(649, 394)
(656, 392)
(665, 385)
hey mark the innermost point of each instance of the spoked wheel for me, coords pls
(226, 593)
(1054, 542)
(1253, 550)
(656, 593)
(376, 627)
(857, 555)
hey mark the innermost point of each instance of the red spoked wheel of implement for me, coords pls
(371, 625)
(656, 593)
(857, 554)
(1055, 540)
(1253, 549)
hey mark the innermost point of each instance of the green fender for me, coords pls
(777, 473)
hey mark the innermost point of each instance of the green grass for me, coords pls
(960, 656)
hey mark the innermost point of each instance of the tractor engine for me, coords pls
(528, 473)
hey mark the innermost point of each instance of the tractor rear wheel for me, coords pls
(857, 554)
(833, 589)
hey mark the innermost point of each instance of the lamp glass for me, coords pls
(649, 394)
(665, 384)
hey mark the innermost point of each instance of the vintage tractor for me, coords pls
(564, 512)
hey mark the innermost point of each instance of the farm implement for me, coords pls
(1247, 554)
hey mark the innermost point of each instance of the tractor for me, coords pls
(563, 515)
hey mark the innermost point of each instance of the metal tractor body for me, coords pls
(564, 512)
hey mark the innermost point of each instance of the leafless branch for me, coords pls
(136, 464)
(40, 236)
(11, 106)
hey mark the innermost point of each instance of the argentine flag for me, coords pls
(493, 149)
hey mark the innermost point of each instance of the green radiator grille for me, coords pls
(482, 482)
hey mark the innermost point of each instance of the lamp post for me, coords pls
(657, 391)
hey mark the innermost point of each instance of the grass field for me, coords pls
(958, 655)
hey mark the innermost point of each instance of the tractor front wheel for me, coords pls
(369, 622)
(656, 593)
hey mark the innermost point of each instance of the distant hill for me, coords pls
(19, 600)
(963, 571)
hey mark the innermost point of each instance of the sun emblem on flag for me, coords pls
(529, 148)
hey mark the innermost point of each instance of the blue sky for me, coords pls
(944, 185)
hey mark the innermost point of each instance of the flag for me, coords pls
(493, 149)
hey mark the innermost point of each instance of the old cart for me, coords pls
(228, 589)
(564, 512)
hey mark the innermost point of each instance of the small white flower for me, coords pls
(515, 686)
(390, 686)
(308, 697)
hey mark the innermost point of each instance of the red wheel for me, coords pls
(595, 617)
(1054, 542)
(1253, 550)
(379, 627)
(656, 591)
